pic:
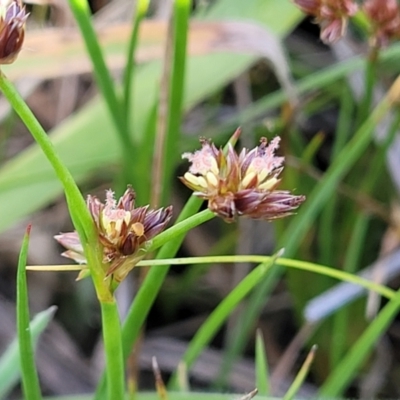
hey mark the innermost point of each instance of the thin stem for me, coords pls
(285, 262)
(113, 351)
(180, 228)
(81, 11)
(140, 12)
(370, 79)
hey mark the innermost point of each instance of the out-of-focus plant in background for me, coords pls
(113, 94)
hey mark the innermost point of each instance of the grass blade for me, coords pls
(301, 376)
(30, 379)
(262, 374)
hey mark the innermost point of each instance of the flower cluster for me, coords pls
(384, 16)
(124, 231)
(240, 184)
(331, 15)
(12, 29)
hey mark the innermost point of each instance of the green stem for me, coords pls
(285, 262)
(113, 350)
(370, 79)
(181, 228)
(140, 12)
(81, 11)
(181, 12)
(30, 379)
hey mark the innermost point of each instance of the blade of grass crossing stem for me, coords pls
(9, 362)
(301, 376)
(262, 374)
(148, 292)
(215, 320)
(176, 90)
(342, 376)
(301, 223)
(81, 11)
(30, 379)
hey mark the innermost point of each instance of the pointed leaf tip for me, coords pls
(28, 230)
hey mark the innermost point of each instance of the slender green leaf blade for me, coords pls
(262, 374)
(30, 379)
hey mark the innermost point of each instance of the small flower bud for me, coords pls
(12, 29)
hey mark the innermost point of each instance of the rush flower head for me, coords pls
(125, 232)
(240, 184)
(12, 29)
(331, 15)
(384, 16)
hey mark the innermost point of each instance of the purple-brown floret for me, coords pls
(243, 184)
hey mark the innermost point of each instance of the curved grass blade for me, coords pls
(30, 379)
(301, 376)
